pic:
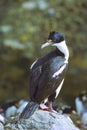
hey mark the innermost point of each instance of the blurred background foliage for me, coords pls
(24, 26)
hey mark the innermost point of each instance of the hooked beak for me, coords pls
(48, 43)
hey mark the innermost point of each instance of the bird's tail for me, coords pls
(29, 110)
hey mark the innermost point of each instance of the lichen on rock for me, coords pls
(43, 120)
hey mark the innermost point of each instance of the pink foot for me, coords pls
(44, 107)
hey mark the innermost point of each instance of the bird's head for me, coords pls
(53, 39)
(83, 96)
(57, 39)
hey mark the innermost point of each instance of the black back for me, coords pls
(42, 84)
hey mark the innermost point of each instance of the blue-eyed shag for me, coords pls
(47, 74)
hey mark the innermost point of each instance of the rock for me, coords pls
(43, 120)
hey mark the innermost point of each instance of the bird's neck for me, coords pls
(63, 48)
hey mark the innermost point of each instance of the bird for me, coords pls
(81, 106)
(47, 74)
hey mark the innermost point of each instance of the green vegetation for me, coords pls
(25, 25)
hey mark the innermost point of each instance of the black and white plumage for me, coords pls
(47, 74)
(81, 107)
